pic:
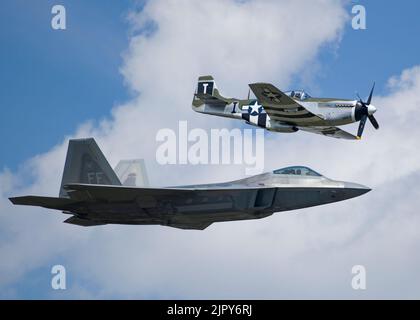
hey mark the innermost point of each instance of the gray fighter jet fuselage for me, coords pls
(92, 193)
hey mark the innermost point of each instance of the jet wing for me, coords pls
(86, 192)
(333, 132)
(279, 106)
(82, 192)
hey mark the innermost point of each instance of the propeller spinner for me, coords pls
(364, 111)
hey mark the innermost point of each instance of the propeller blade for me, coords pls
(361, 126)
(374, 122)
(371, 94)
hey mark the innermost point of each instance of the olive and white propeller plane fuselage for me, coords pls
(286, 112)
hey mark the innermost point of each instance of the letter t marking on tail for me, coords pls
(205, 85)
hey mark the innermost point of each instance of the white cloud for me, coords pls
(286, 255)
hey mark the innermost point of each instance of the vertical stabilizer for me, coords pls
(132, 173)
(85, 163)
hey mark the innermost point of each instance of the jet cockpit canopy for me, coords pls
(298, 171)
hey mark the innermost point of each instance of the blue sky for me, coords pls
(385, 48)
(53, 81)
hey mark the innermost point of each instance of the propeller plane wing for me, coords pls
(333, 132)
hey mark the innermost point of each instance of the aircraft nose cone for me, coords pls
(354, 189)
(371, 109)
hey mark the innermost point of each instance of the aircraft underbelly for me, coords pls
(247, 204)
(236, 206)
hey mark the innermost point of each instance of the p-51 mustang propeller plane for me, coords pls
(94, 194)
(286, 112)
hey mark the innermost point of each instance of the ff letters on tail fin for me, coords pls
(85, 163)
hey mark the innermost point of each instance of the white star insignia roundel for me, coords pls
(255, 109)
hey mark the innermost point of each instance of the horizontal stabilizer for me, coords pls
(46, 202)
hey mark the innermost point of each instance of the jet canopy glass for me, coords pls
(298, 94)
(298, 171)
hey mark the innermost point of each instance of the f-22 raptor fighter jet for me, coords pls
(286, 112)
(92, 193)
